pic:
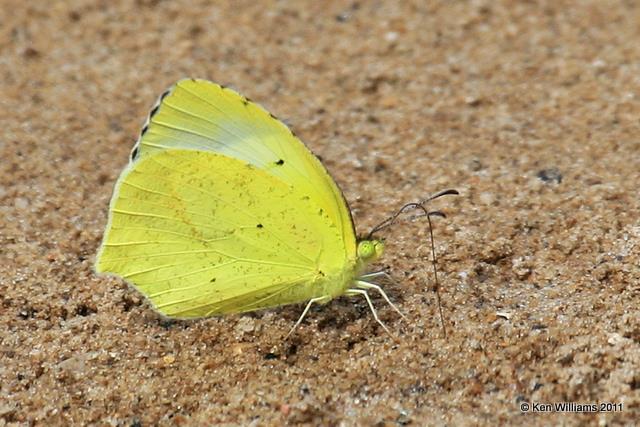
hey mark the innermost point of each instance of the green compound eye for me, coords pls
(370, 249)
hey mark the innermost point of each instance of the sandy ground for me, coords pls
(530, 109)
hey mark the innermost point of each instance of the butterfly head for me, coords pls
(370, 250)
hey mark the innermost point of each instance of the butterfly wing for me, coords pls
(201, 115)
(200, 233)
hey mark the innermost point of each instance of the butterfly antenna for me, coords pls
(425, 212)
(390, 221)
(429, 214)
(447, 192)
(419, 205)
(435, 270)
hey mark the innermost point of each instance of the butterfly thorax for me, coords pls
(333, 281)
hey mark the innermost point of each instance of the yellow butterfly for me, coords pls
(222, 209)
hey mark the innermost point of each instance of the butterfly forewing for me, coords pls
(201, 115)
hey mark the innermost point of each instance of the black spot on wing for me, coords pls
(134, 152)
(153, 111)
(280, 162)
(259, 226)
(164, 95)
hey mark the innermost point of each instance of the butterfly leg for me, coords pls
(375, 274)
(373, 310)
(366, 285)
(304, 312)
